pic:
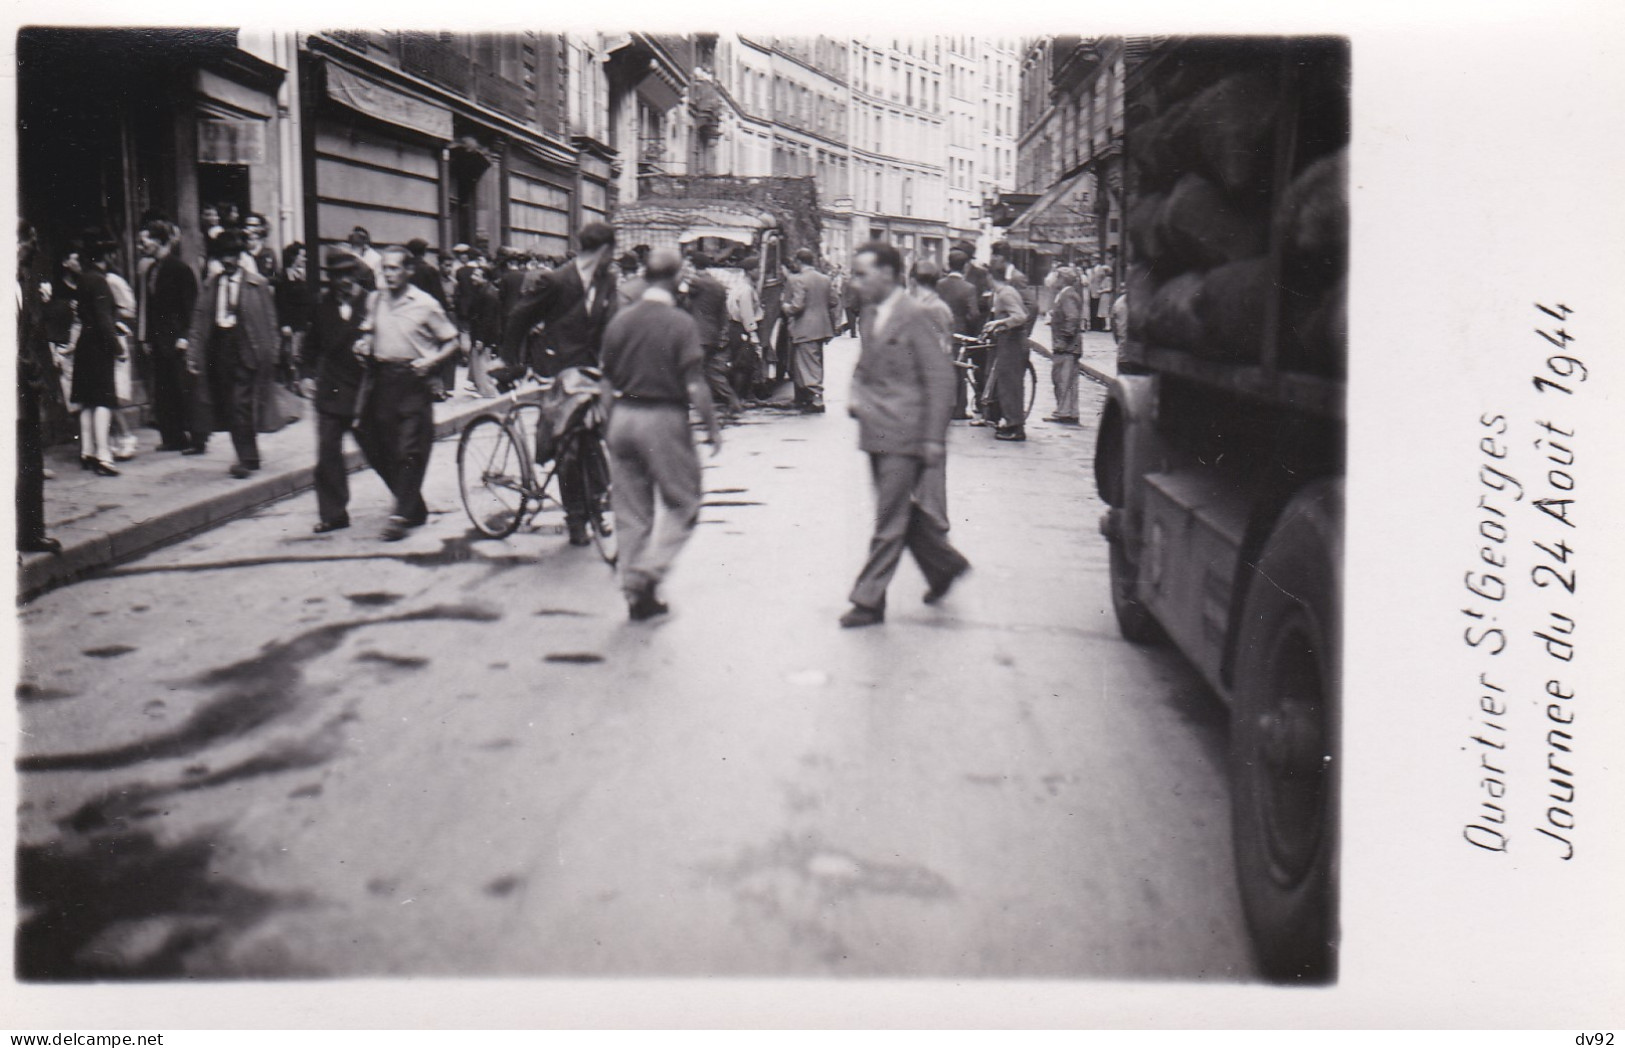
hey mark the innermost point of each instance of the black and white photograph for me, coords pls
(844, 505)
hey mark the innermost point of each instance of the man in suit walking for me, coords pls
(814, 313)
(231, 350)
(655, 366)
(166, 315)
(575, 301)
(902, 393)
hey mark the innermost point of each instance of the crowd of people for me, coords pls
(237, 342)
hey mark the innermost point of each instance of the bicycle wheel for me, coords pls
(1030, 392)
(493, 474)
(592, 462)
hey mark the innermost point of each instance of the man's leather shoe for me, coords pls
(104, 469)
(812, 409)
(578, 535)
(1071, 420)
(39, 545)
(1010, 434)
(646, 606)
(195, 449)
(395, 530)
(331, 525)
(860, 616)
(939, 590)
(240, 471)
(170, 447)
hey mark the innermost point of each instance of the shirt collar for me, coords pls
(659, 294)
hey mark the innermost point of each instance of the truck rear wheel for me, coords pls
(1284, 741)
(1134, 620)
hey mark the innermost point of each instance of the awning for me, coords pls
(1062, 217)
(368, 96)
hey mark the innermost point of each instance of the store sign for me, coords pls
(231, 141)
(387, 104)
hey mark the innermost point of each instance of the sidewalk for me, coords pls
(1099, 360)
(163, 497)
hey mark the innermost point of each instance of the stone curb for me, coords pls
(89, 551)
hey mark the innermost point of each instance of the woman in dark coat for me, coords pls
(93, 358)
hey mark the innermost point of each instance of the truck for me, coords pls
(1220, 457)
(727, 217)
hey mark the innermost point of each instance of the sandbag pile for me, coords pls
(1203, 212)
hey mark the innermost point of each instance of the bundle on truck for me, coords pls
(1221, 448)
(727, 218)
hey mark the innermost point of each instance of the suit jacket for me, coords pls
(427, 277)
(707, 302)
(171, 294)
(485, 314)
(559, 300)
(328, 355)
(256, 316)
(811, 306)
(1066, 319)
(963, 302)
(903, 388)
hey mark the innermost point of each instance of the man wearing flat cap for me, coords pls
(332, 378)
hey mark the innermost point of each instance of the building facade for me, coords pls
(899, 135)
(1069, 177)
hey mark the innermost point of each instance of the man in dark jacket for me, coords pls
(814, 313)
(706, 300)
(964, 302)
(171, 291)
(575, 301)
(36, 373)
(332, 379)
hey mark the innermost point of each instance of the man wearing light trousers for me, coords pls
(654, 367)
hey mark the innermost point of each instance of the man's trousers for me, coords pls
(397, 434)
(1064, 375)
(651, 455)
(908, 515)
(807, 369)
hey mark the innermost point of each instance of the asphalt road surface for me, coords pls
(264, 753)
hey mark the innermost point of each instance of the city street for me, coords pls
(263, 753)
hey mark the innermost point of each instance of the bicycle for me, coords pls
(964, 345)
(497, 468)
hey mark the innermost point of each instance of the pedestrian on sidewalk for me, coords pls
(1100, 295)
(125, 417)
(407, 337)
(36, 374)
(95, 356)
(231, 349)
(1005, 406)
(426, 278)
(654, 366)
(813, 309)
(1066, 345)
(574, 301)
(925, 280)
(484, 328)
(902, 394)
(171, 292)
(332, 382)
(361, 247)
(295, 307)
(964, 302)
(706, 300)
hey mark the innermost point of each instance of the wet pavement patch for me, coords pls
(727, 491)
(576, 657)
(498, 744)
(112, 651)
(303, 792)
(248, 694)
(717, 503)
(28, 691)
(373, 600)
(503, 886)
(405, 662)
(128, 907)
(560, 613)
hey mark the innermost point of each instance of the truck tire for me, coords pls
(1284, 731)
(1134, 620)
